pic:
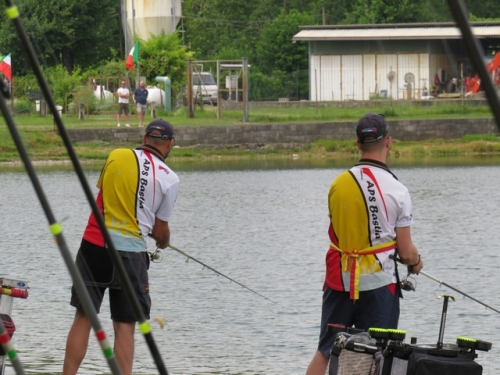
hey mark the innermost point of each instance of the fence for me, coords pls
(286, 86)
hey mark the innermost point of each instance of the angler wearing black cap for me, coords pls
(370, 218)
(159, 138)
(137, 191)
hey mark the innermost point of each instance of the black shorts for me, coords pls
(377, 308)
(123, 108)
(98, 273)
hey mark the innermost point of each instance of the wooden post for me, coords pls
(245, 89)
(190, 89)
(219, 106)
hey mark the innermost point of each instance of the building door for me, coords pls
(325, 78)
(352, 77)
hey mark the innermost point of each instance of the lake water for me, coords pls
(264, 225)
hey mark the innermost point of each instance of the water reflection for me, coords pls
(264, 162)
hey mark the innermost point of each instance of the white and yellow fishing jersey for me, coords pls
(135, 186)
(366, 204)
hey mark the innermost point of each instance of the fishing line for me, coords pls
(56, 229)
(458, 291)
(217, 272)
(441, 282)
(157, 254)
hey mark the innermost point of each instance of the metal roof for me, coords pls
(395, 31)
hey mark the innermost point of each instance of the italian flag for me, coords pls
(133, 56)
(5, 67)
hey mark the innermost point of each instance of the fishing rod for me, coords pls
(155, 254)
(9, 350)
(56, 229)
(458, 291)
(7, 328)
(441, 282)
(474, 49)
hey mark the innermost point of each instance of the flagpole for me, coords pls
(11, 96)
(133, 36)
(11, 87)
(138, 74)
(133, 21)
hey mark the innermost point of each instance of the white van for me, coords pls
(205, 87)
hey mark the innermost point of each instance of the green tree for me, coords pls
(163, 55)
(386, 11)
(483, 9)
(215, 25)
(85, 34)
(71, 32)
(330, 12)
(276, 51)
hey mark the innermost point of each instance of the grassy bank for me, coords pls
(49, 147)
(344, 111)
(43, 142)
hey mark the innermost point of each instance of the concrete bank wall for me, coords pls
(294, 135)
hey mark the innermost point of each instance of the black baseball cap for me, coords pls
(371, 128)
(160, 129)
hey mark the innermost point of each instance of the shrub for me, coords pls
(23, 107)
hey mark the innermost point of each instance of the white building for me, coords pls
(399, 61)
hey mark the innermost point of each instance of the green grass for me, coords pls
(327, 145)
(478, 144)
(207, 116)
(479, 137)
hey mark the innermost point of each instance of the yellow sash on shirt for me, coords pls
(353, 256)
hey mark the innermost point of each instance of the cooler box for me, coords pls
(428, 360)
(426, 364)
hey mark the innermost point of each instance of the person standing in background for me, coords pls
(141, 101)
(370, 217)
(123, 94)
(137, 191)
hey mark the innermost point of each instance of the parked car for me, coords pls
(204, 87)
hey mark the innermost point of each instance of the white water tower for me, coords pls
(146, 18)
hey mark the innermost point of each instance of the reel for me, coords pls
(156, 256)
(408, 283)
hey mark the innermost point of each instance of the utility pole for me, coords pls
(124, 22)
(133, 21)
(173, 15)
